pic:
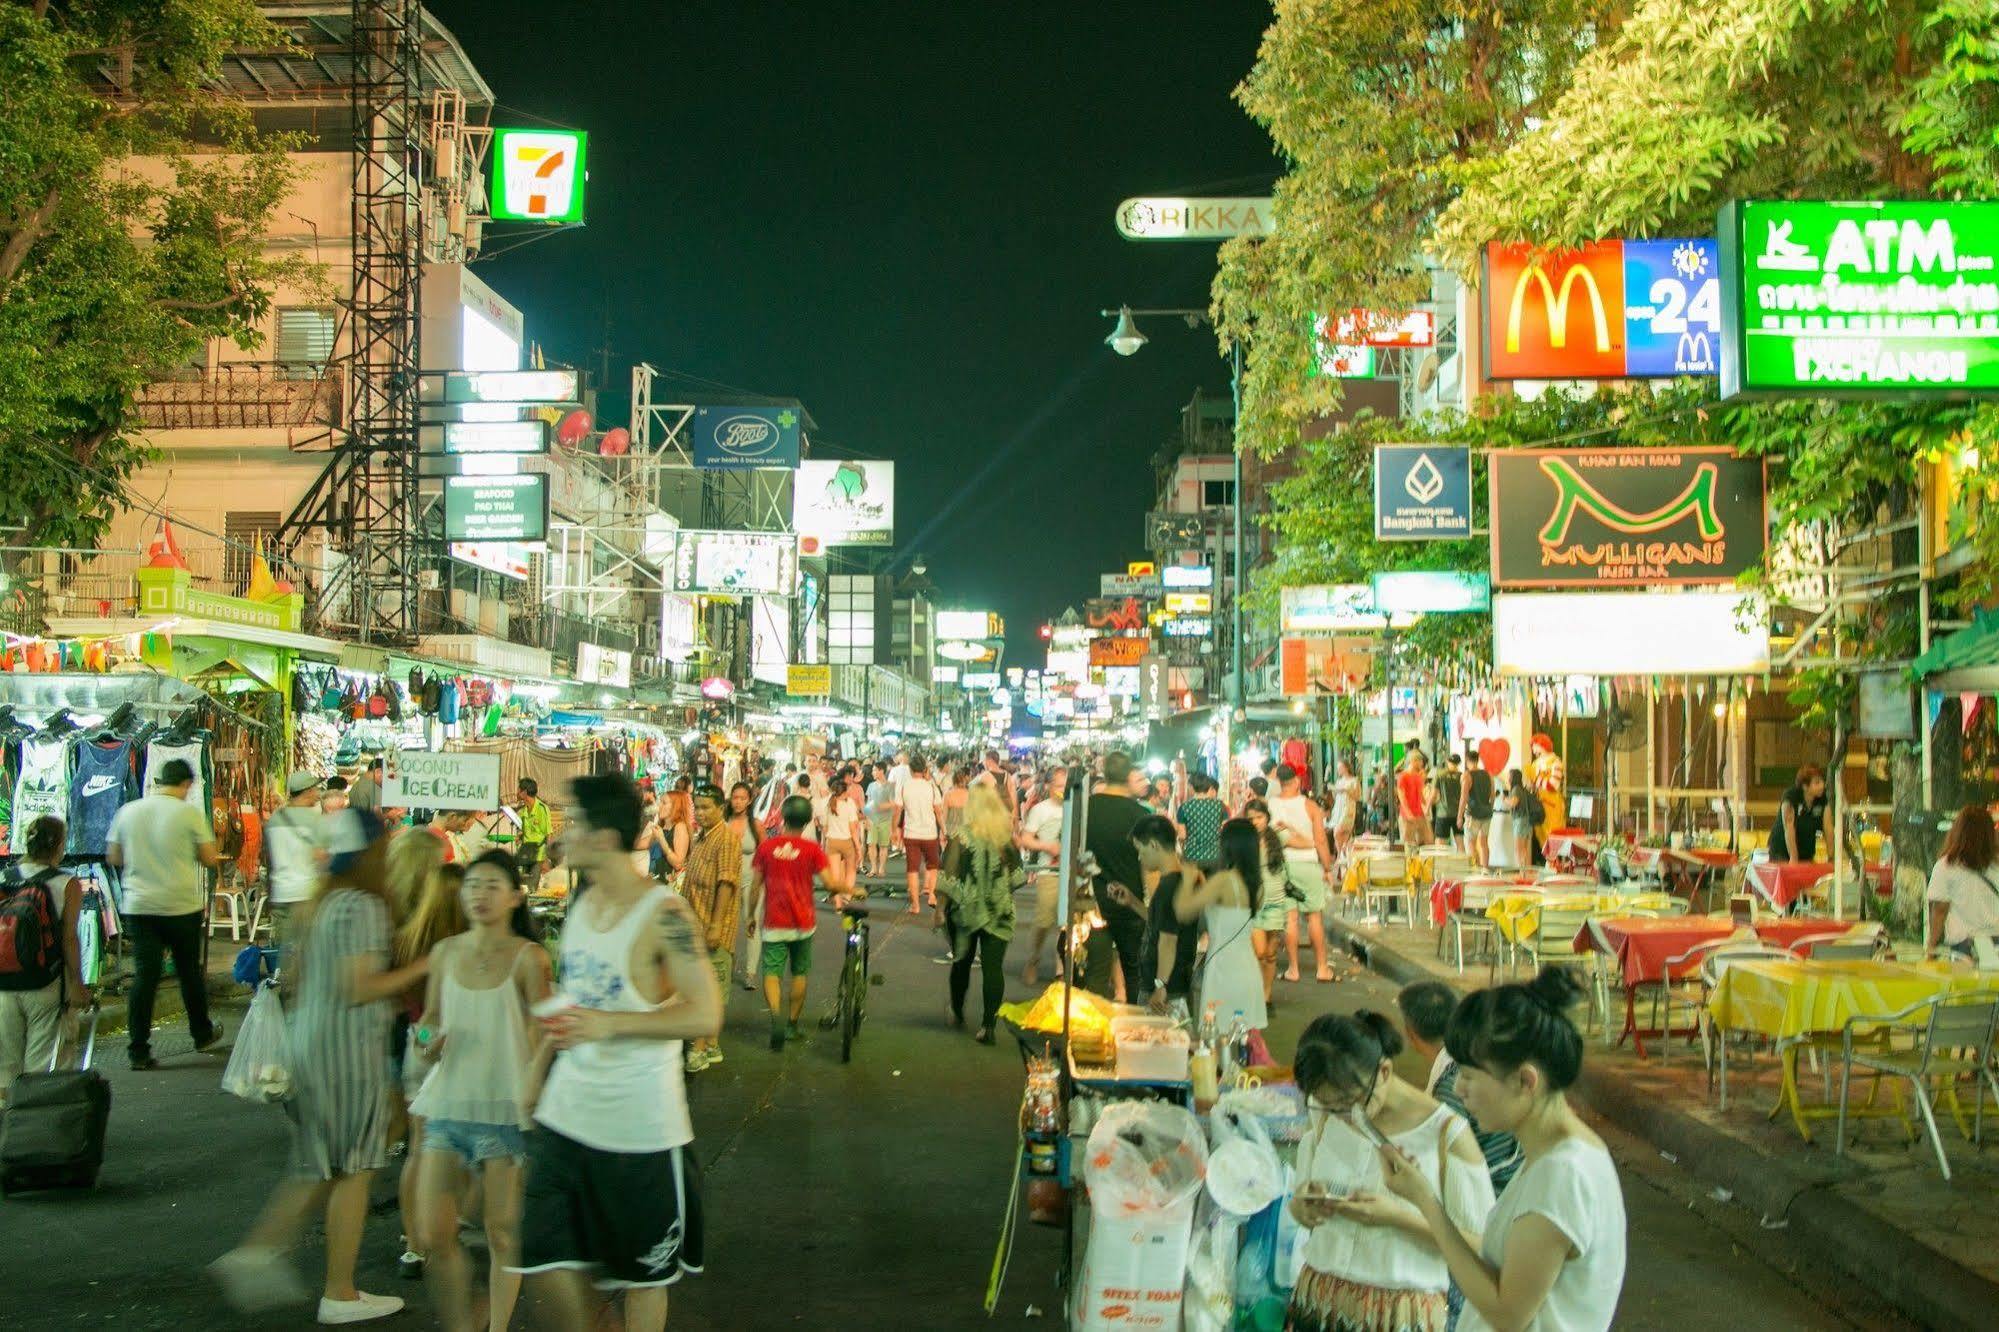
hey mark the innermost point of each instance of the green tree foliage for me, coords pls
(131, 233)
(1374, 104)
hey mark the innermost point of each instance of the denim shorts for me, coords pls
(474, 1144)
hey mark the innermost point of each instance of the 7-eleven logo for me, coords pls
(541, 175)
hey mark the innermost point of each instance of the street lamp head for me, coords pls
(1125, 339)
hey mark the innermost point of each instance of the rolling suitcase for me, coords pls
(52, 1134)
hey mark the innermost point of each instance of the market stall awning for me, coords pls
(193, 627)
(1972, 648)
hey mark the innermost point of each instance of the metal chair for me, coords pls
(1718, 955)
(1839, 946)
(1386, 880)
(1957, 1023)
(1553, 937)
(1470, 918)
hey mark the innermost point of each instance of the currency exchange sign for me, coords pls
(1861, 299)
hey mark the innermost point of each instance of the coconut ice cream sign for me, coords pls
(848, 502)
(1860, 299)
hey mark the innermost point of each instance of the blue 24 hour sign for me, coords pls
(742, 438)
(1422, 492)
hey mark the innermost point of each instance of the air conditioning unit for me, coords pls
(465, 606)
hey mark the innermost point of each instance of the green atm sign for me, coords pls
(1858, 299)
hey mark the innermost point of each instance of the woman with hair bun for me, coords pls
(1370, 1263)
(1552, 1253)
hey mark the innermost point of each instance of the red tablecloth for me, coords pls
(1448, 895)
(1785, 883)
(1644, 944)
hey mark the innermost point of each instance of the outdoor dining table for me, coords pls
(1784, 883)
(1448, 895)
(1693, 867)
(1356, 872)
(1795, 1003)
(1516, 912)
(1644, 945)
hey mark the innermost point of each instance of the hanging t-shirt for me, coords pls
(161, 752)
(7, 779)
(44, 785)
(101, 783)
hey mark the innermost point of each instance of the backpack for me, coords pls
(1537, 812)
(30, 933)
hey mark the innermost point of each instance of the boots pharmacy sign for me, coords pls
(538, 175)
(1612, 309)
(1857, 299)
(1632, 517)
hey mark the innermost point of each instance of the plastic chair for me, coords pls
(239, 912)
(1386, 881)
(1957, 1022)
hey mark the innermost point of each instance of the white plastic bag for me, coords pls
(259, 1067)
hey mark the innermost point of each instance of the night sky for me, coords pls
(901, 215)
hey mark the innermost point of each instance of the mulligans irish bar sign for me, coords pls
(1835, 299)
(1624, 517)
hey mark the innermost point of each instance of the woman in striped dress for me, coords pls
(339, 1106)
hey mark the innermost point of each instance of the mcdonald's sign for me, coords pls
(1627, 517)
(1612, 309)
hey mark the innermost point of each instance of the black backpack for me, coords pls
(30, 932)
(1537, 812)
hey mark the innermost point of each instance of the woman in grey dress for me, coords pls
(339, 1029)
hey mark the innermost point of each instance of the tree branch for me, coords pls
(23, 238)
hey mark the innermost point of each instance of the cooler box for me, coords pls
(1150, 1049)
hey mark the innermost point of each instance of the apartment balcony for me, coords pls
(269, 395)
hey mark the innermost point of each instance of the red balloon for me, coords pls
(572, 429)
(617, 442)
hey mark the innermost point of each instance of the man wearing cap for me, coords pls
(294, 855)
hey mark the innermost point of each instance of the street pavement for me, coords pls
(862, 1195)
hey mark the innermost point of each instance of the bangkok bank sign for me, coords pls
(1612, 309)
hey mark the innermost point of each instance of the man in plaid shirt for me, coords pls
(713, 887)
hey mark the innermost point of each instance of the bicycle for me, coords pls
(850, 1004)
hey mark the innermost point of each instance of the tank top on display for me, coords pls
(621, 1095)
(162, 752)
(101, 783)
(480, 1077)
(44, 785)
(1289, 812)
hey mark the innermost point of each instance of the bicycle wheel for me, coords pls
(850, 998)
(862, 977)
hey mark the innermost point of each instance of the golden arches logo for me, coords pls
(1556, 303)
(1572, 492)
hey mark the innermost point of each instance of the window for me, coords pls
(1217, 494)
(305, 341)
(245, 531)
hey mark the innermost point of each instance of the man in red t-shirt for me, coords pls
(1411, 791)
(786, 868)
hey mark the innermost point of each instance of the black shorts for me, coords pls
(626, 1218)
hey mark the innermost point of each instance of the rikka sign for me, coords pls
(1839, 299)
(1422, 492)
(743, 438)
(1173, 218)
(1632, 517)
(1612, 309)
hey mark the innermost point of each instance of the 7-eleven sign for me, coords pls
(538, 175)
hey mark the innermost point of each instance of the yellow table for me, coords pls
(1793, 1002)
(1517, 915)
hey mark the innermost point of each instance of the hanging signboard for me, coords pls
(1128, 585)
(538, 175)
(596, 664)
(413, 779)
(1612, 309)
(808, 681)
(1189, 603)
(496, 508)
(1187, 577)
(1649, 517)
(1422, 592)
(1422, 492)
(966, 624)
(1118, 651)
(1173, 218)
(1170, 531)
(1153, 691)
(1376, 328)
(1311, 666)
(557, 387)
(471, 437)
(746, 438)
(1696, 632)
(736, 563)
(1192, 626)
(1836, 299)
(1113, 614)
(1327, 607)
(846, 503)
(1334, 358)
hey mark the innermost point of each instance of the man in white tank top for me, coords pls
(611, 1195)
(1301, 826)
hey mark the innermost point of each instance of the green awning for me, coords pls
(1970, 647)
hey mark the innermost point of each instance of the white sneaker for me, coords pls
(255, 1279)
(362, 1308)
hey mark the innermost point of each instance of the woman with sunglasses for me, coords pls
(1370, 1264)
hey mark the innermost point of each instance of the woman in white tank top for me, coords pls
(475, 1025)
